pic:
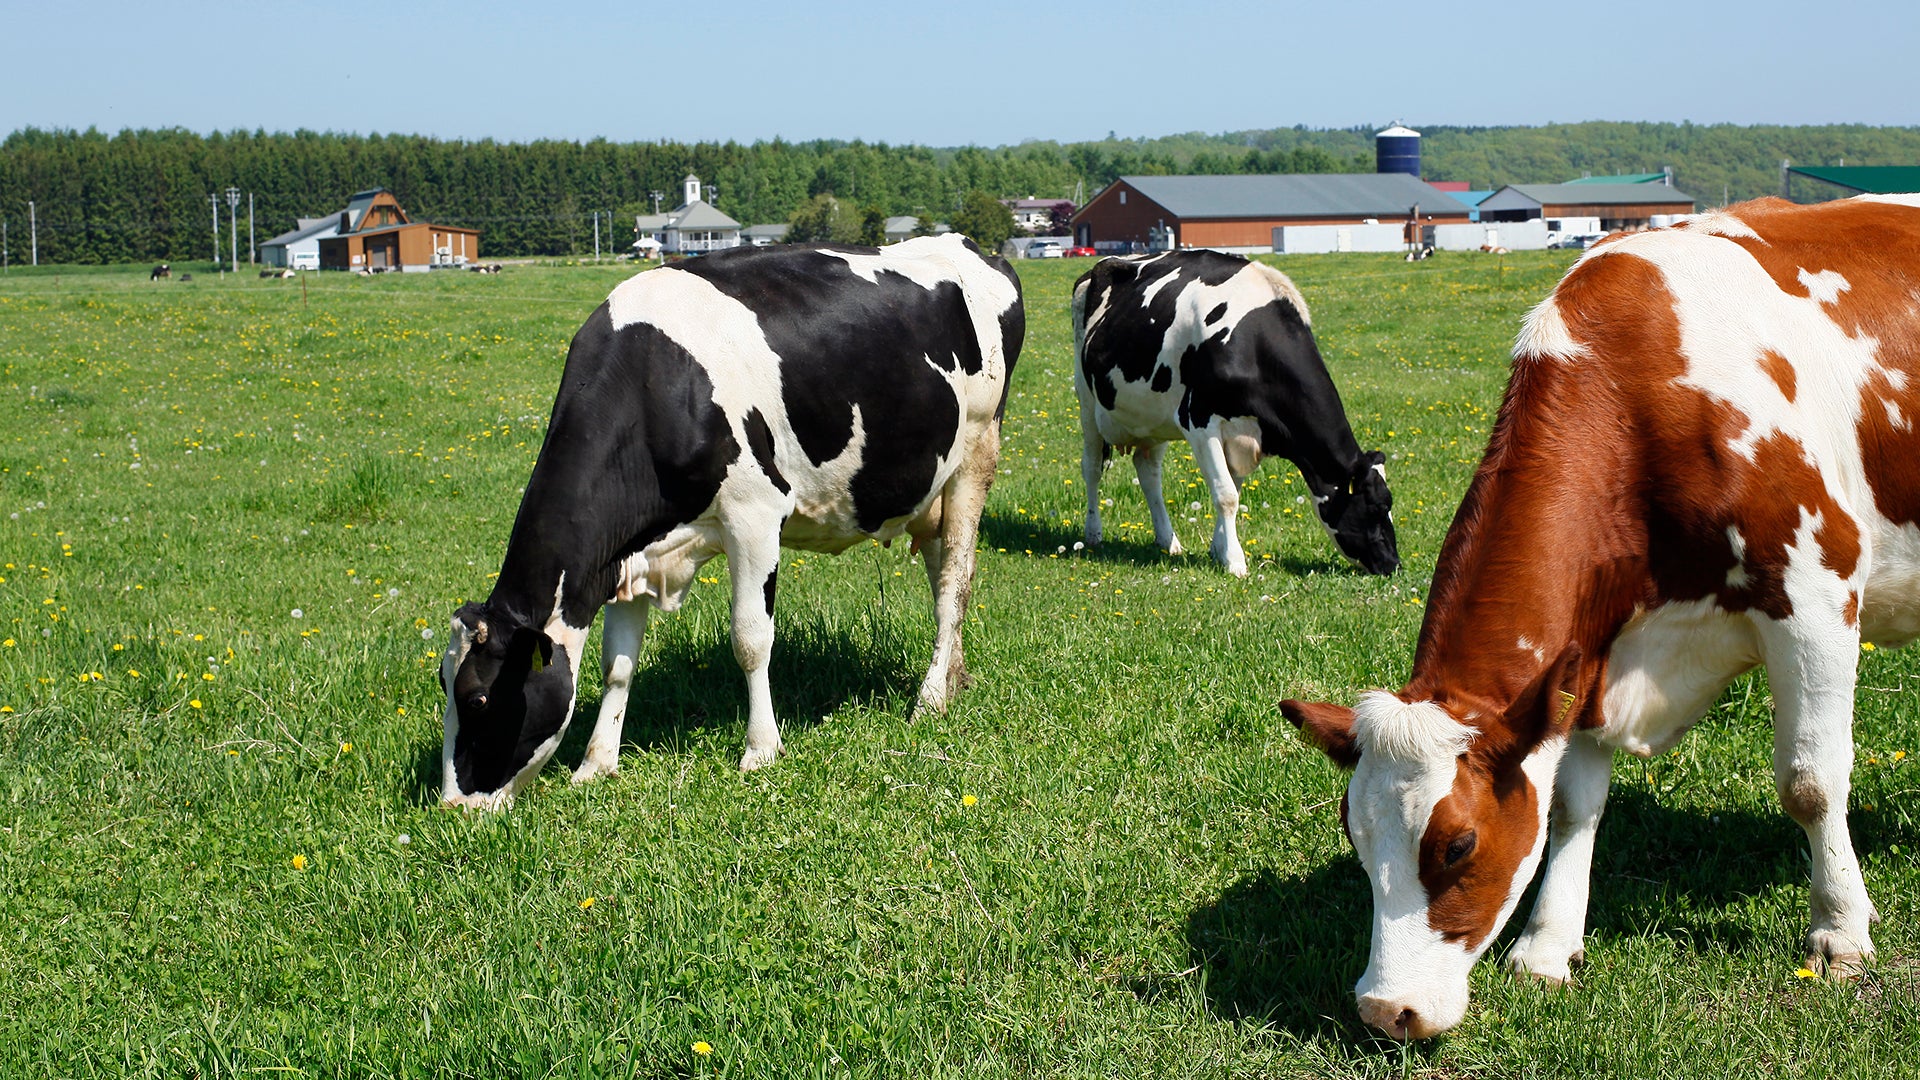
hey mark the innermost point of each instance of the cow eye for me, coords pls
(1461, 847)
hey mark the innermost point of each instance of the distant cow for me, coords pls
(160, 271)
(1219, 351)
(1704, 462)
(805, 397)
(270, 272)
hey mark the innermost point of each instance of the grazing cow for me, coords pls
(1219, 351)
(1704, 462)
(808, 397)
(160, 271)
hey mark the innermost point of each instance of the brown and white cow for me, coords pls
(1706, 460)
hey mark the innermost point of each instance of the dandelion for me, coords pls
(133, 673)
(6, 708)
(968, 800)
(346, 748)
(403, 839)
(195, 703)
(299, 862)
(9, 643)
(586, 904)
(400, 711)
(298, 614)
(1866, 646)
(207, 675)
(1899, 754)
(702, 1049)
(426, 635)
(1806, 973)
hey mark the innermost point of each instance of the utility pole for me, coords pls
(252, 252)
(214, 202)
(233, 227)
(33, 230)
(596, 235)
(656, 196)
(6, 266)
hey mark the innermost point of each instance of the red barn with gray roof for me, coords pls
(1239, 213)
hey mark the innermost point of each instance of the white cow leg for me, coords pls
(1212, 459)
(1812, 660)
(620, 637)
(1147, 461)
(1555, 936)
(753, 560)
(950, 562)
(1093, 451)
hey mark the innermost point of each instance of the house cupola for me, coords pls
(690, 189)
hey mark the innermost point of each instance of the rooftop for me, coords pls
(1379, 195)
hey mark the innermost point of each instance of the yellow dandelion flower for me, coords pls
(586, 904)
(401, 711)
(968, 800)
(1899, 754)
(702, 1049)
(208, 676)
(9, 643)
(133, 672)
(346, 748)
(1806, 973)
(1866, 646)
(299, 862)
(195, 703)
(6, 708)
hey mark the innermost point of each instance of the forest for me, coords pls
(143, 194)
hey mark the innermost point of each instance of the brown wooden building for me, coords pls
(1618, 206)
(376, 235)
(1240, 213)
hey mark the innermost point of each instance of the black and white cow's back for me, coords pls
(1219, 351)
(806, 397)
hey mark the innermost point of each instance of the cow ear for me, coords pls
(1327, 726)
(538, 646)
(1543, 711)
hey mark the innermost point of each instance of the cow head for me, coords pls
(1359, 514)
(509, 697)
(1448, 820)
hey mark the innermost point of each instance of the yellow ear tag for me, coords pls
(1567, 701)
(539, 662)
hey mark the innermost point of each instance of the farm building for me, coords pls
(1617, 206)
(1034, 215)
(1663, 177)
(765, 235)
(299, 247)
(1846, 181)
(374, 233)
(692, 228)
(1244, 213)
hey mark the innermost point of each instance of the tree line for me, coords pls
(142, 194)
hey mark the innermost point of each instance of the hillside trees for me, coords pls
(142, 194)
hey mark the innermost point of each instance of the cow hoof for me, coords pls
(592, 769)
(757, 756)
(1542, 965)
(1837, 955)
(1172, 547)
(1237, 569)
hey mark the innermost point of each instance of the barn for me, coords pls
(1245, 213)
(1618, 206)
(376, 234)
(299, 247)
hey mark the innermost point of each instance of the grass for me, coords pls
(267, 509)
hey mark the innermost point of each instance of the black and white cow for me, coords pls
(736, 403)
(1218, 351)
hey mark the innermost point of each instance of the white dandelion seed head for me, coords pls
(1079, 545)
(298, 614)
(403, 839)
(426, 635)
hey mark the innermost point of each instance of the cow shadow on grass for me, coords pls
(1044, 538)
(685, 688)
(1287, 949)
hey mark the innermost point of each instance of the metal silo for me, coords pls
(1397, 149)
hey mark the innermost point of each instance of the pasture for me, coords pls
(233, 527)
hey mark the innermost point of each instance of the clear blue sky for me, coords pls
(986, 72)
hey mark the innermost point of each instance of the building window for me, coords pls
(1123, 198)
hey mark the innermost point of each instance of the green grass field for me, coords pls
(233, 525)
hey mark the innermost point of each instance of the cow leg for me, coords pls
(950, 560)
(753, 559)
(1147, 461)
(1555, 936)
(1211, 456)
(1812, 662)
(620, 637)
(1093, 453)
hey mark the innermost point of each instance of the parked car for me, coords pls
(1080, 253)
(1576, 243)
(1046, 249)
